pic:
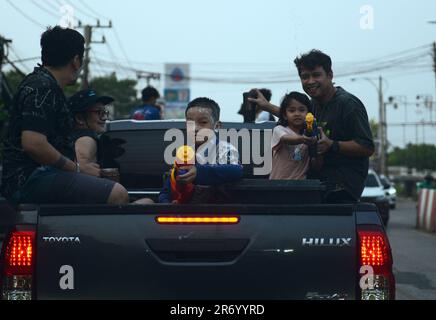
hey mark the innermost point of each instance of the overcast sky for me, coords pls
(254, 40)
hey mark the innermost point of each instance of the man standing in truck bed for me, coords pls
(38, 164)
(346, 139)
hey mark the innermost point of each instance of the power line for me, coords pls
(49, 12)
(24, 15)
(19, 59)
(78, 9)
(92, 10)
(122, 47)
(117, 37)
(26, 59)
(15, 67)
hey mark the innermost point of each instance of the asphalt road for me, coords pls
(414, 254)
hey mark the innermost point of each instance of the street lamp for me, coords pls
(382, 119)
(400, 99)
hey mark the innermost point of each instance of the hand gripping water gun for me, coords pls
(311, 130)
(182, 193)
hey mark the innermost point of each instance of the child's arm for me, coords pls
(292, 139)
(211, 175)
(165, 194)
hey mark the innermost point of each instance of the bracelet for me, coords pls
(77, 167)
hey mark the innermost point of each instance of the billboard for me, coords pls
(177, 91)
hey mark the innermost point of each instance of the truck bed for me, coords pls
(272, 253)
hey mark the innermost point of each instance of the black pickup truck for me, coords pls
(266, 240)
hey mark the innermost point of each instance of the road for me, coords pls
(414, 254)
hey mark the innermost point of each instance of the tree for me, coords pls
(123, 91)
(374, 128)
(419, 156)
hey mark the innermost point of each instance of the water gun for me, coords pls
(311, 130)
(182, 193)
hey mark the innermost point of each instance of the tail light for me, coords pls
(376, 259)
(19, 257)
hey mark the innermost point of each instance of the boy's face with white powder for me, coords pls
(203, 119)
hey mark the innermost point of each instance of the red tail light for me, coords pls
(375, 255)
(19, 257)
(373, 249)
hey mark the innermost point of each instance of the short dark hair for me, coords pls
(300, 97)
(150, 92)
(313, 59)
(60, 45)
(205, 103)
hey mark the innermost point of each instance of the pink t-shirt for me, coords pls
(289, 162)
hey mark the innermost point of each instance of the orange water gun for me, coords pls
(182, 193)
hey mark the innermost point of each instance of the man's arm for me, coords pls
(347, 148)
(39, 149)
(265, 104)
(357, 126)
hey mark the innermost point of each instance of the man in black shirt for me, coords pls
(346, 139)
(38, 164)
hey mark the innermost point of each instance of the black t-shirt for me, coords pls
(79, 133)
(344, 118)
(40, 106)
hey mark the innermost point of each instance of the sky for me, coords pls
(255, 41)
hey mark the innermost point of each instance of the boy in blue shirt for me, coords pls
(210, 170)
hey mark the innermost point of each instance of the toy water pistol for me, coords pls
(182, 193)
(311, 130)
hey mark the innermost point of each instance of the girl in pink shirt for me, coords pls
(290, 148)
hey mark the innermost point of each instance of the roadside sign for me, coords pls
(177, 91)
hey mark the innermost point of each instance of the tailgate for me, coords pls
(274, 252)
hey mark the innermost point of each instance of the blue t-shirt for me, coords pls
(146, 112)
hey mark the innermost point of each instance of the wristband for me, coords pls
(77, 167)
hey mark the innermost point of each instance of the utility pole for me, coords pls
(434, 66)
(382, 129)
(148, 76)
(87, 29)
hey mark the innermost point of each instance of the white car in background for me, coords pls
(374, 192)
(390, 191)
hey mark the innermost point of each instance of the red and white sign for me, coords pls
(426, 219)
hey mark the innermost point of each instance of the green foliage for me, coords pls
(13, 78)
(123, 91)
(374, 128)
(421, 157)
(72, 89)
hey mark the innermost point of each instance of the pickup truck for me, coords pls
(266, 240)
